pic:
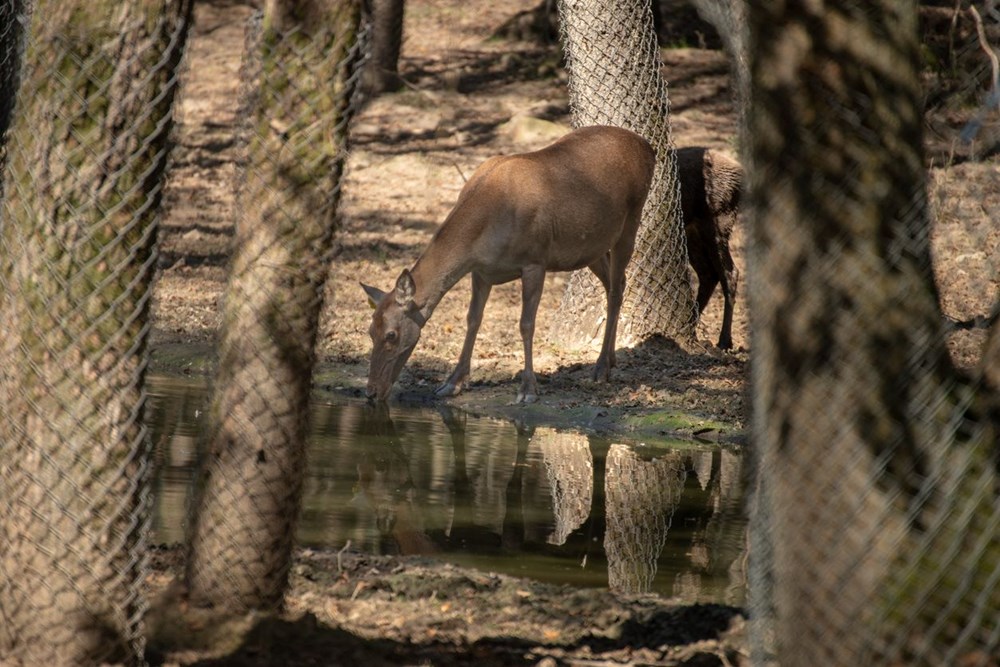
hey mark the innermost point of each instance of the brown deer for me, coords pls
(711, 184)
(574, 203)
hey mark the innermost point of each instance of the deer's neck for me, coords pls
(438, 269)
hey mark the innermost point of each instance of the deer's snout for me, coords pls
(375, 393)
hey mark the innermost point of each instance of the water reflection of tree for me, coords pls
(519, 489)
(569, 466)
(640, 499)
(174, 417)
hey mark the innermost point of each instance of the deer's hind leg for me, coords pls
(618, 260)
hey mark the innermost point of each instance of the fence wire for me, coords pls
(569, 467)
(87, 149)
(614, 67)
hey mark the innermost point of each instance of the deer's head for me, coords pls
(395, 330)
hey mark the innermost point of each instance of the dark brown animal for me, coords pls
(575, 203)
(711, 184)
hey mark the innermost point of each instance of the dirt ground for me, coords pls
(466, 98)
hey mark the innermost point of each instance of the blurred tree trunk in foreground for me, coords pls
(878, 460)
(87, 151)
(300, 76)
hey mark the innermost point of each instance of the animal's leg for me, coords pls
(602, 269)
(480, 293)
(532, 282)
(706, 286)
(620, 255)
(729, 277)
(729, 280)
(699, 252)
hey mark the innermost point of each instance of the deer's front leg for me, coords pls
(480, 293)
(532, 282)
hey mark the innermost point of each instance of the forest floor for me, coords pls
(467, 97)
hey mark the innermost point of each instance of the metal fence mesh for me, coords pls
(569, 467)
(87, 150)
(614, 67)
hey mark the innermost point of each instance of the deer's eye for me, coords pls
(391, 336)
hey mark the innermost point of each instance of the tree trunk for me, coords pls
(614, 65)
(11, 43)
(729, 17)
(12, 15)
(878, 461)
(242, 535)
(87, 152)
(382, 72)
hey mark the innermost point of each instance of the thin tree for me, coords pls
(382, 71)
(300, 76)
(87, 151)
(878, 459)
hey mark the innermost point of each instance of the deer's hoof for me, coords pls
(526, 398)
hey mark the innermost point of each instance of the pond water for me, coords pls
(555, 506)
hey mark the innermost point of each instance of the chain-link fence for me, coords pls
(87, 149)
(87, 154)
(614, 67)
(569, 467)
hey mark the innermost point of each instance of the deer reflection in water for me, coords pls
(518, 490)
(384, 490)
(479, 490)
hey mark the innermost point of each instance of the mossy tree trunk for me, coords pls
(299, 79)
(877, 458)
(87, 151)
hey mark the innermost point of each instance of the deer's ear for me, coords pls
(405, 289)
(375, 295)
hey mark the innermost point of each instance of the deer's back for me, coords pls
(562, 206)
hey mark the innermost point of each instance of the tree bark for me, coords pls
(878, 460)
(87, 154)
(729, 17)
(12, 14)
(382, 72)
(614, 66)
(242, 535)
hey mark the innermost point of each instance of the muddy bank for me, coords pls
(349, 608)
